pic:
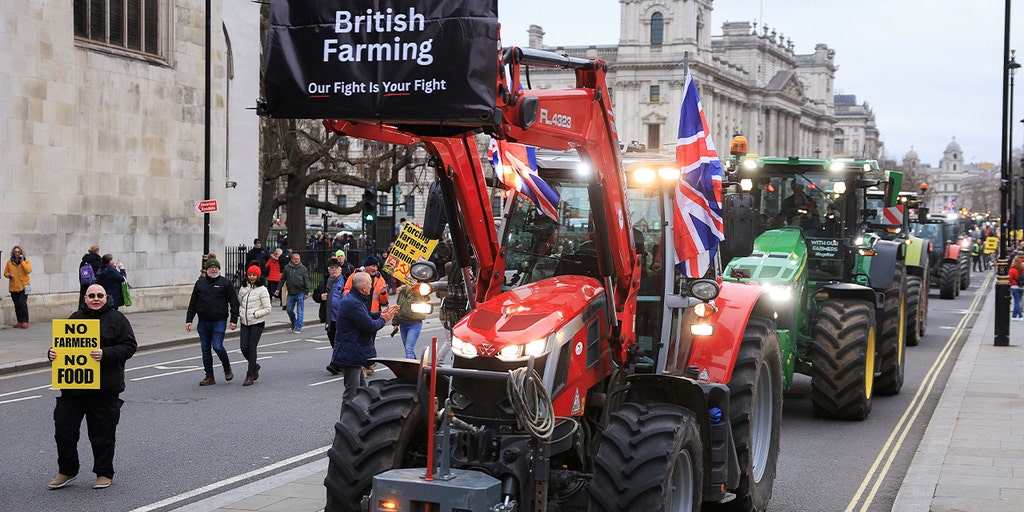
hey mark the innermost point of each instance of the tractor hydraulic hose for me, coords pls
(531, 402)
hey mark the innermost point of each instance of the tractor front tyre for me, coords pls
(914, 314)
(948, 285)
(965, 271)
(843, 369)
(755, 406)
(649, 458)
(380, 429)
(891, 355)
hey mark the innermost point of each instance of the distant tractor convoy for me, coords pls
(586, 372)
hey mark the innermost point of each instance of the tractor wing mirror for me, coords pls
(434, 216)
(738, 215)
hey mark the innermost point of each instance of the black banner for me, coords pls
(392, 61)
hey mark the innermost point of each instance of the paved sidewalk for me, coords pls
(971, 458)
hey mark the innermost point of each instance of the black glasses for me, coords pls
(96, 295)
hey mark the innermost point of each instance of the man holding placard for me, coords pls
(88, 354)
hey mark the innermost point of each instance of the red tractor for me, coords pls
(587, 373)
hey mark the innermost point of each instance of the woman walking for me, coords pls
(16, 271)
(254, 306)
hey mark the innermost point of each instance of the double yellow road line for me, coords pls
(880, 468)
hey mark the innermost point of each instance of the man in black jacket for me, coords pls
(259, 254)
(214, 300)
(100, 407)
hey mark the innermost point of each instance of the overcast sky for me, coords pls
(930, 71)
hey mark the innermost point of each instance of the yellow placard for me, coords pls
(73, 341)
(991, 244)
(410, 247)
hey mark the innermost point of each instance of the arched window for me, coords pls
(657, 29)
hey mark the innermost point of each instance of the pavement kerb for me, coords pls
(918, 487)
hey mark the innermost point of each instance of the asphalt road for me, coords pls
(179, 443)
(829, 465)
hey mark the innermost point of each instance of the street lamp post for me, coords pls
(1002, 314)
(1010, 238)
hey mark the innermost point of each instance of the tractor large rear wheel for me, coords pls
(843, 359)
(948, 285)
(891, 356)
(914, 310)
(380, 429)
(649, 458)
(755, 406)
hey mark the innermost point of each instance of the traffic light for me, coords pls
(370, 204)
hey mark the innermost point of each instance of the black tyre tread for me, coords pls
(891, 358)
(760, 346)
(914, 313)
(636, 454)
(374, 434)
(965, 270)
(947, 280)
(838, 381)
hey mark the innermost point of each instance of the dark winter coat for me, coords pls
(117, 340)
(356, 329)
(92, 259)
(110, 279)
(213, 299)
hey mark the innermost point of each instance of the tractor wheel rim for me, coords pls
(681, 493)
(761, 422)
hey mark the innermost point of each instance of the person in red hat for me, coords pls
(253, 309)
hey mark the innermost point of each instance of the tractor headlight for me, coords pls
(423, 271)
(463, 349)
(535, 348)
(423, 289)
(423, 308)
(702, 329)
(778, 293)
(704, 289)
(705, 309)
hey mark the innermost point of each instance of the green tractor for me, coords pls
(890, 217)
(839, 287)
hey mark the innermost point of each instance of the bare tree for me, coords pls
(297, 154)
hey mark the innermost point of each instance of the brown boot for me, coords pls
(248, 379)
(227, 373)
(256, 372)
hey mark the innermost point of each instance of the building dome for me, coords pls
(911, 155)
(953, 146)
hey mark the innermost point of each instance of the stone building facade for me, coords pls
(955, 183)
(749, 78)
(104, 130)
(855, 135)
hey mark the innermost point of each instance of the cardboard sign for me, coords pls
(411, 246)
(991, 245)
(73, 341)
(391, 61)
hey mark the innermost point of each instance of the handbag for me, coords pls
(126, 294)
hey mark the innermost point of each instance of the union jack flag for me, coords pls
(697, 209)
(516, 166)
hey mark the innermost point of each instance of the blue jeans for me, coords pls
(1017, 293)
(296, 307)
(211, 333)
(410, 334)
